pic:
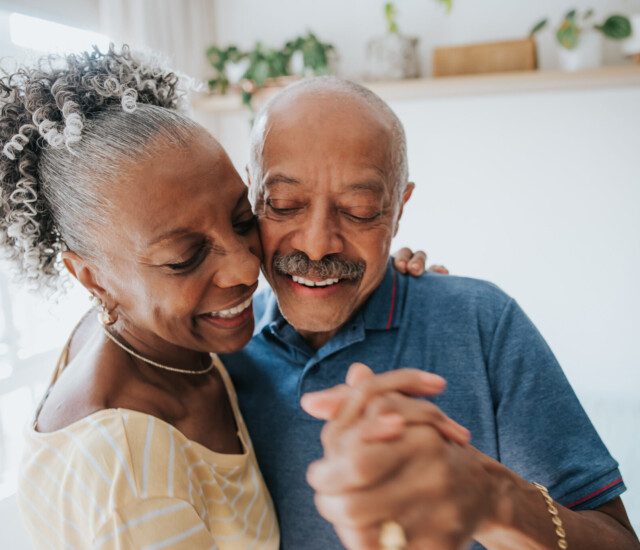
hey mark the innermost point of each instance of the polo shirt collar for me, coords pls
(382, 310)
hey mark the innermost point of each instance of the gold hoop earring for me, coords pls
(95, 301)
(106, 317)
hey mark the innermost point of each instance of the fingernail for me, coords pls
(430, 378)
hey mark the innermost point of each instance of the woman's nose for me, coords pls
(240, 267)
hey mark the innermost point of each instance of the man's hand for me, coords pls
(388, 458)
(384, 397)
(436, 490)
(414, 263)
(385, 452)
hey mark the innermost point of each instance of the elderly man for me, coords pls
(328, 180)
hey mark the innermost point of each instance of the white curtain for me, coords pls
(180, 30)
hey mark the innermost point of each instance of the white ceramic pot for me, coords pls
(631, 46)
(586, 55)
(392, 57)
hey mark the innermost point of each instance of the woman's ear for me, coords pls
(85, 274)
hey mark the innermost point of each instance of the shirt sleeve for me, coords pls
(154, 523)
(544, 434)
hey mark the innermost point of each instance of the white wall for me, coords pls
(539, 193)
(349, 24)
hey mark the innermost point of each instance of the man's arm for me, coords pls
(361, 483)
(444, 495)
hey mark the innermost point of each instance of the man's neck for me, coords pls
(317, 339)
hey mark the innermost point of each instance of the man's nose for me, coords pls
(240, 266)
(318, 236)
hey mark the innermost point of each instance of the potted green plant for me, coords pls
(249, 71)
(580, 39)
(394, 55)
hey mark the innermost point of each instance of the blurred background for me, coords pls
(524, 147)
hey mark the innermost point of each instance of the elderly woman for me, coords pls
(139, 441)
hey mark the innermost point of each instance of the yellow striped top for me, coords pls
(124, 479)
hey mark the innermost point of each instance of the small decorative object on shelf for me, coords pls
(631, 46)
(580, 39)
(394, 56)
(261, 67)
(486, 57)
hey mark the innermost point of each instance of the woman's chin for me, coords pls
(230, 339)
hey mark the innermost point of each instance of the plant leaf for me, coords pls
(616, 27)
(539, 26)
(568, 34)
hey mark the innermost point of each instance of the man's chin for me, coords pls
(312, 322)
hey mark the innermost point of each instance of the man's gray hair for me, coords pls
(399, 170)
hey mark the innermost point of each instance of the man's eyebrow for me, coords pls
(374, 186)
(281, 178)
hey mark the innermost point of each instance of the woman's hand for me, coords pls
(414, 263)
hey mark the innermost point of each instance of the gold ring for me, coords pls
(392, 536)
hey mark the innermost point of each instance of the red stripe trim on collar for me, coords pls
(393, 301)
(591, 495)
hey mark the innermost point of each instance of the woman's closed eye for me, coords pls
(243, 226)
(193, 261)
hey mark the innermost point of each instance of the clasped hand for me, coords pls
(390, 456)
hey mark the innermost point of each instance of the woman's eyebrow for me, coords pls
(171, 234)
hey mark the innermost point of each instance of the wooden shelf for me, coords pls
(469, 85)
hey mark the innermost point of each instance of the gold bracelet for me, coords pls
(555, 518)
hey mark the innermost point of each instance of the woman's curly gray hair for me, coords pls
(67, 126)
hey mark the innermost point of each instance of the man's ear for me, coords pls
(84, 272)
(408, 191)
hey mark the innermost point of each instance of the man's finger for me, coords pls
(414, 411)
(358, 373)
(359, 539)
(362, 468)
(325, 404)
(408, 381)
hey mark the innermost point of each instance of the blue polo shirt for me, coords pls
(504, 384)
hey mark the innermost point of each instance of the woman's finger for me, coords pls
(417, 264)
(439, 269)
(401, 259)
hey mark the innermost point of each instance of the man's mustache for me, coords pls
(329, 267)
